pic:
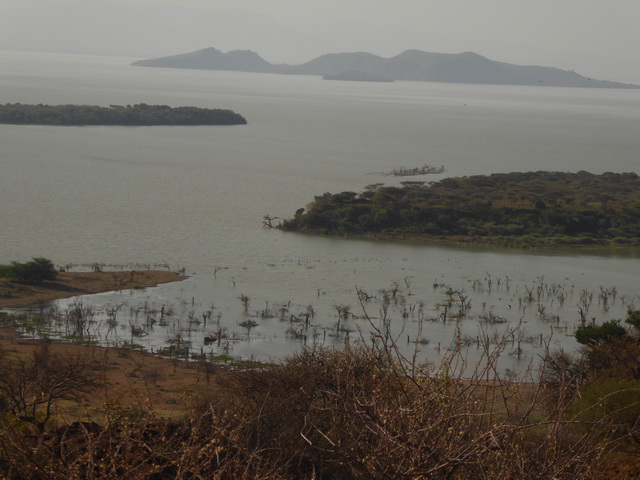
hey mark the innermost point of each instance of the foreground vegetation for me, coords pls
(514, 209)
(139, 114)
(359, 413)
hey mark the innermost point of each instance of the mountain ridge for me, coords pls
(410, 65)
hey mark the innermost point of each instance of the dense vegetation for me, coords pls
(534, 208)
(37, 270)
(139, 114)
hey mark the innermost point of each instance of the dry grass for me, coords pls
(358, 413)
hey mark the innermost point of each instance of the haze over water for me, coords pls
(194, 197)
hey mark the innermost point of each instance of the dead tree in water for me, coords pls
(267, 221)
(245, 302)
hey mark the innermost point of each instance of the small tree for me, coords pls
(595, 335)
(37, 270)
(633, 319)
(610, 349)
(31, 388)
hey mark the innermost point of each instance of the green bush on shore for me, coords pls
(36, 270)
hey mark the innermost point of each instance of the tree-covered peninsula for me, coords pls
(140, 114)
(511, 209)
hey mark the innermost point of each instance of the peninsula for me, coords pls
(411, 65)
(16, 294)
(137, 115)
(512, 209)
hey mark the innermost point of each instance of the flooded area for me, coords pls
(195, 197)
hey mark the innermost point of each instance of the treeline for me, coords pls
(531, 208)
(139, 114)
(37, 270)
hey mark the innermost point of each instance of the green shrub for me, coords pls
(593, 335)
(37, 270)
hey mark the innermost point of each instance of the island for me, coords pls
(137, 115)
(510, 209)
(410, 65)
(355, 76)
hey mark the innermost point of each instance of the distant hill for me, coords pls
(212, 59)
(411, 65)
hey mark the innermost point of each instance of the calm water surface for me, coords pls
(194, 197)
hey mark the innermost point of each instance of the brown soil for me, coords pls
(131, 380)
(70, 284)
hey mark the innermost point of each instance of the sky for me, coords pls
(593, 37)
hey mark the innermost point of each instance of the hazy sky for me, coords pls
(594, 37)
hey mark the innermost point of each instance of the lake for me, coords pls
(195, 197)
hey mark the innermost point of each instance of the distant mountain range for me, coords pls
(411, 65)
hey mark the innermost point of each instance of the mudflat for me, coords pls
(71, 284)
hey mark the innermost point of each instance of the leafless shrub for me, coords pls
(365, 411)
(30, 389)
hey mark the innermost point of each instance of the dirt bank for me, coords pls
(131, 379)
(70, 284)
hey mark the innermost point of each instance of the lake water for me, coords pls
(194, 197)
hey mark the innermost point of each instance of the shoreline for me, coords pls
(466, 241)
(130, 377)
(71, 284)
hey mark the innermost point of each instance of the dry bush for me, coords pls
(31, 388)
(364, 413)
(358, 413)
